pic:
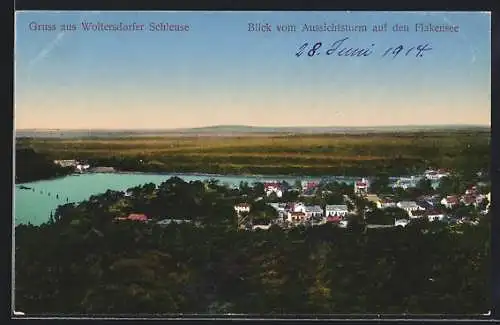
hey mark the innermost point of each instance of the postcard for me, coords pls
(251, 163)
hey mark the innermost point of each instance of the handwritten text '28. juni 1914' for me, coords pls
(339, 48)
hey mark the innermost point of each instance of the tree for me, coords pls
(244, 188)
(380, 184)
(396, 213)
(379, 217)
(425, 186)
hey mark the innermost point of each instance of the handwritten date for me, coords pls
(340, 49)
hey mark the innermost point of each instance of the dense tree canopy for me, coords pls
(90, 264)
(33, 166)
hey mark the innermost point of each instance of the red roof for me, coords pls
(134, 217)
(334, 219)
(361, 183)
(137, 217)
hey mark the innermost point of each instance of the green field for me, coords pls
(339, 154)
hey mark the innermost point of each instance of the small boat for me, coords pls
(22, 187)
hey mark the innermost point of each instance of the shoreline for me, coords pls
(275, 177)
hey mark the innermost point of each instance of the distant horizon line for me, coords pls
(257, 127)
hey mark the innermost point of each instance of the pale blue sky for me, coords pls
(219, 73)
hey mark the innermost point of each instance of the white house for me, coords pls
(336, 210)
(313, 211)
(435, 175)
(409, 206)
(66, 163)
(262, 227)
(406, 182)
(385, 203)
(242, 207)
(168, 221)
(343, 224)
(82, 168)
(299, 207)
(450, 201)
(435, 216)
(468, 199)
(361, 187)
(273, 187)
(401, 222)
(488, 196)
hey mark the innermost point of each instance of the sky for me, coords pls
(219, 73)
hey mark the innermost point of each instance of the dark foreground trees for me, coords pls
(33, 166)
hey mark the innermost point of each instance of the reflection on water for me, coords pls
(35, 201)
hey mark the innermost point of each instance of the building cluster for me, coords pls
(289, 214)
(431, 207)
(78, 166)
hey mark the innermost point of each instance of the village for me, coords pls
(451, 209)
(313, 203)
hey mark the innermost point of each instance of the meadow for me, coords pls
(339, 154)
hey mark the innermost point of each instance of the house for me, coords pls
(273, 187)
(468, 199)
(450, 201)
(336, 211)
(361, 187)
(425, 204)
(472, 190)
(480, 198)
(308, 186)
(261, 227)
(385, 203)
(81, 168)
(401, 223)
(168, 221)
(343, 224)
(299, 207)
(372, 198)
(435, 175)
(66, 163)
(296, 217)
(406, 182)
(334, 219)
(415, 214)
(242, 207)
(409, 206)
(134, 217)
(313, 211)
(103, 169)
(435, 215)
(488, 196)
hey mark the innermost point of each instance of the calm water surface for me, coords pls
(35, 205)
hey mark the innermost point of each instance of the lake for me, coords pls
(34, 205)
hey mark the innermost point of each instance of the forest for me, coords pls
(400, 153)
(84, 261)
(34, 166)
